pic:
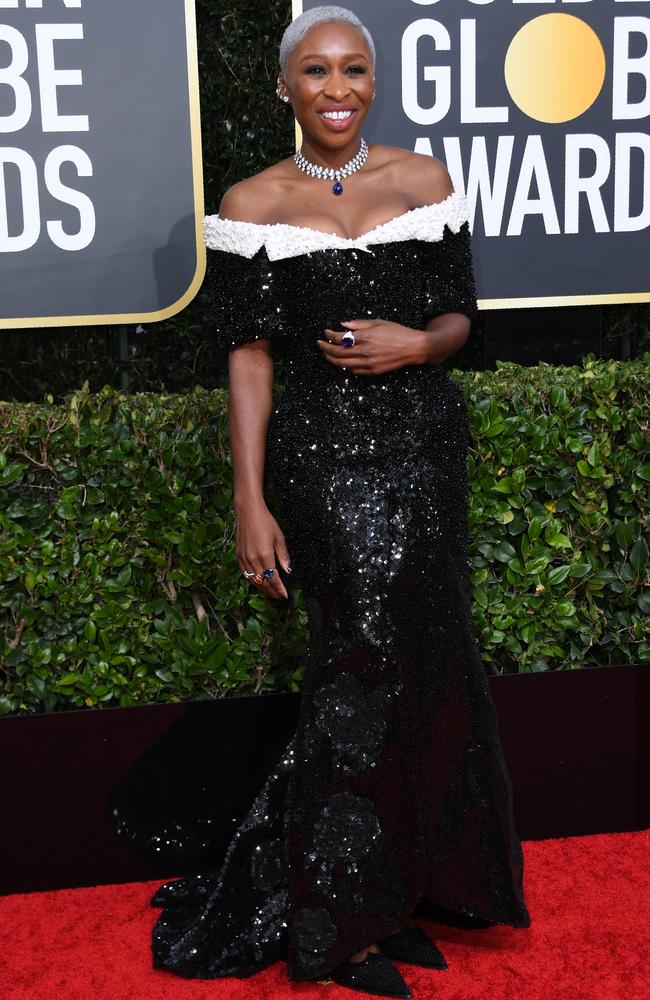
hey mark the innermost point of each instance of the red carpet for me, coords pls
(589, 899)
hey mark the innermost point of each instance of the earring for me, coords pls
(278, 91)
(374, 94)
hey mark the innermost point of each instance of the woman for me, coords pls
(394, 788)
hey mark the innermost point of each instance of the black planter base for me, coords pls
(577, 744)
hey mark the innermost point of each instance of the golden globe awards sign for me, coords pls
(540, 110)
(100, 161)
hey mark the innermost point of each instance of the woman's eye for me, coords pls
(314, 70)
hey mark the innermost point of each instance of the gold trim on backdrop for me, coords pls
(524, 303)
(199, 211)
(621, 298)
(296, 11)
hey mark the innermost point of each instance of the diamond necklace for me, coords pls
(333, 173)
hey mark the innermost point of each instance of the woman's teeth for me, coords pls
(336, 115)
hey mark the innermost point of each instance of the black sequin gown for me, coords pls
(394, 787)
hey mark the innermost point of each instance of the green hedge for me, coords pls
(119, 584)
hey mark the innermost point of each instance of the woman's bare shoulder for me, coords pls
(426, 177)
(252, 199)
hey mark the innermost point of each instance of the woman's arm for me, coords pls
(442, 337)
(250, 377)
(250, 380)
(259, 537)
(445, 333)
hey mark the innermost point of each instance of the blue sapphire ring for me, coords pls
(268, 573)
(347, 340)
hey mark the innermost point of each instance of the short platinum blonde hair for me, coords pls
(325, 14)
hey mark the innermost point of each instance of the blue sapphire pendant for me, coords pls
(338, 188)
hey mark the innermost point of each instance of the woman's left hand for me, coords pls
(380, 346)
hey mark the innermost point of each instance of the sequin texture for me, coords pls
(394, 787)
(353, 718)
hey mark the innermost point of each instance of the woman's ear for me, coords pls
(281, 89)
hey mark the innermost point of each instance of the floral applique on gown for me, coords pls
(394, 787)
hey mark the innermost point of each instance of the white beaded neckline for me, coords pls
(281, 239)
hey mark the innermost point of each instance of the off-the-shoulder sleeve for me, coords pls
(243, 286)
(449, 284)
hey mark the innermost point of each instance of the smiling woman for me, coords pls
(394, 788)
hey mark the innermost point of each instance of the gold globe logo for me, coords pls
(555, 68)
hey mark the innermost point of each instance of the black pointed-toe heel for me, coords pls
(375, 975)
(412, 946)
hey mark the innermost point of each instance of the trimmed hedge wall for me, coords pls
(118, 579)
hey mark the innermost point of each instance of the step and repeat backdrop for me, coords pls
(100, 161)
(540, 110)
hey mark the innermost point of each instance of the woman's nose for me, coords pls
(337, 86)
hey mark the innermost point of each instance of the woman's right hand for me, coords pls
(259, 540)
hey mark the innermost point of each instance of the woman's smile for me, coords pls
(337, 119)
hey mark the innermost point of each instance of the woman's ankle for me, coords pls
(360, 955)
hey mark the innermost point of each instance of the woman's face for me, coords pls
(329, 80)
